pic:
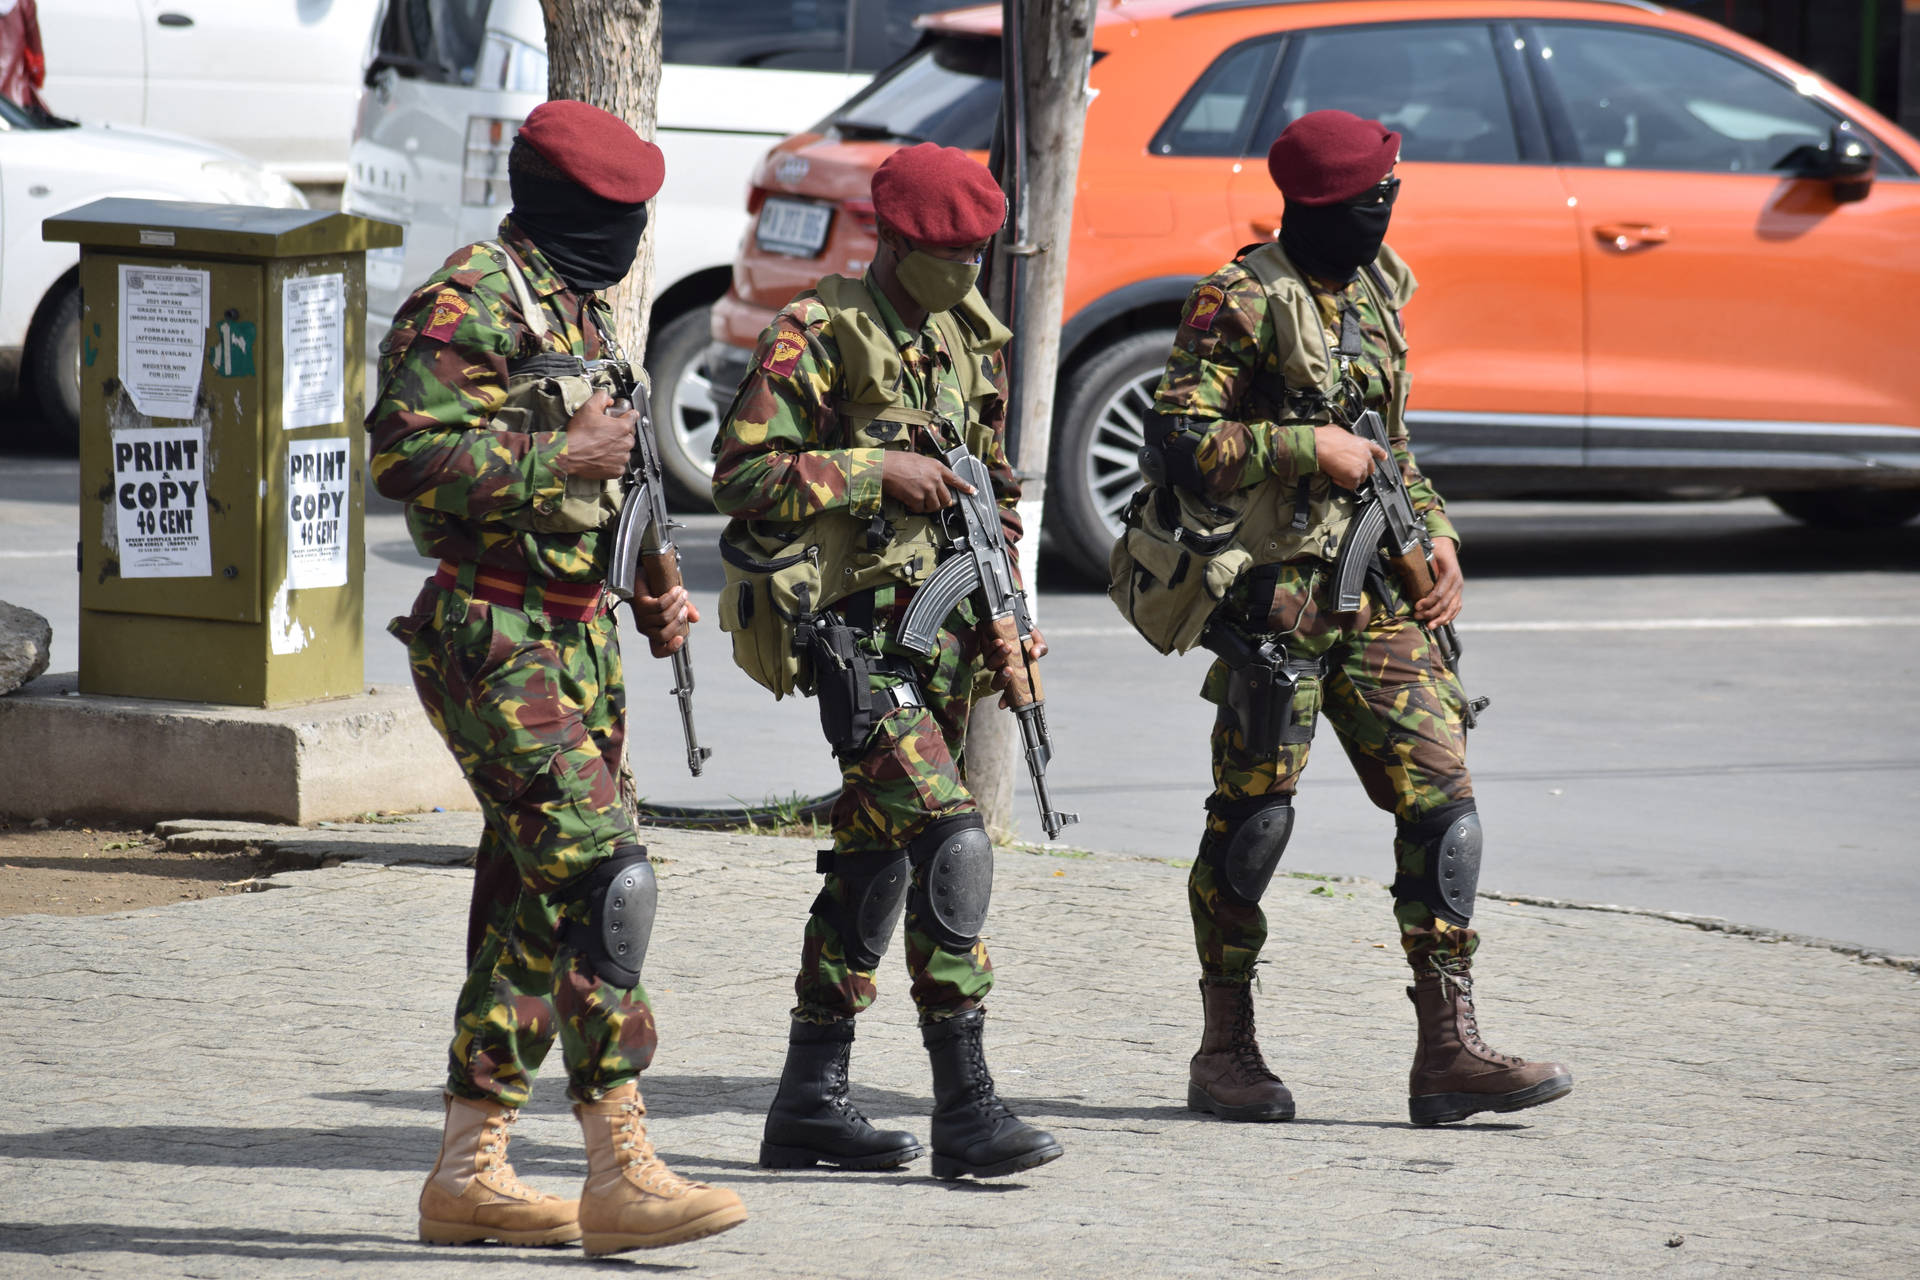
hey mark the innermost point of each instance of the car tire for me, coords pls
(683, 412)
(52, 370)
(1850, 508)
(1105, 402)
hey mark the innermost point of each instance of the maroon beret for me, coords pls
(1325, 157)
(938, 196)
(596, 149)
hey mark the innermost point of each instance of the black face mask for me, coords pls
(590, 241)
(1333, 241)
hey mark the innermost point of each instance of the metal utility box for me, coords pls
(222, 450)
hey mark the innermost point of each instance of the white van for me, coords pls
(448, 82)
(274, 80)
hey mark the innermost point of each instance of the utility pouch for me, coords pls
(842, 680)
(772, 588)
(544, 391)
(1173, 563)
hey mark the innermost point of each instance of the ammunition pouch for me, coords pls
(1174, 562)
(772, 587)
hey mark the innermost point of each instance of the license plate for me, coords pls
(793, 227)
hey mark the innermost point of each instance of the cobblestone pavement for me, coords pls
(248, 1086)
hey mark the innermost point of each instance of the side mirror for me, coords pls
(1846, 159)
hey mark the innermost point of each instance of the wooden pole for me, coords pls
(1051, 59)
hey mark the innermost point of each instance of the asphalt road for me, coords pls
(1698, 707)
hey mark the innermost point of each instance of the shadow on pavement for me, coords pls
(62, 1239)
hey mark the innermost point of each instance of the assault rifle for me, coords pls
(1387, 524)
(643, 538)
(982, 566)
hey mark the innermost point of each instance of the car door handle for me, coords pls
(1627, 237)
(175, 20)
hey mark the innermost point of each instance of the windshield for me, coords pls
(436, 40)
(947, 91)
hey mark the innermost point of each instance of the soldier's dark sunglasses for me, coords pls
(1385, 191)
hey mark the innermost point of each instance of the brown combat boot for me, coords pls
(633, 1201)
(473, 1195)
(1228, 1076)
(1454, 1073)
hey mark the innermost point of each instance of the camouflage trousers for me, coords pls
(533, 710)
(910, 772)
(1395, 707)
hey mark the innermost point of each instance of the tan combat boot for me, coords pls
(1454, 1073)
(473, 1195)
(633, 1201)
(1228, 1076)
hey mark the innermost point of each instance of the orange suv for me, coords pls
(1653, 255)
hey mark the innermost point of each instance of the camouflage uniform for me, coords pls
(1394, 704)
(783, 457)
(530, 701)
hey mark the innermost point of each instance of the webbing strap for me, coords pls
(536, 316)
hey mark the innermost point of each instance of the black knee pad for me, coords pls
(618, 898)
(1248, 853)
(1451, 837)
(876, 894)
(950, 896)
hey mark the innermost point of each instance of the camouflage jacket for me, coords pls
(784, 453)
(1225, 370)
(470, 486)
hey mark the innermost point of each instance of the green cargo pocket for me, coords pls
(766, 593)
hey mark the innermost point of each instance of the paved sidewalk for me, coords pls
(248, 1086)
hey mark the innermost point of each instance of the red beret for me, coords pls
(596, 149)
(938, 196)
(1325, 157)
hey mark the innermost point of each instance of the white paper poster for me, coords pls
(317, 479)
(160, 502)
(312, 346)
(163, 331)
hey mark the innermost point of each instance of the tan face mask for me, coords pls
(936, 283)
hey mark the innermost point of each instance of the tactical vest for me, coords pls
(779, 573)
(1180, 554)
(544, 391)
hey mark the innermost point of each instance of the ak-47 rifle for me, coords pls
(643, 538)
(1386, 523)
(981, 565)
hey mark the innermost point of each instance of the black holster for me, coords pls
(842, 681)
(1261, 677)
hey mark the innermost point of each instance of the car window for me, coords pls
(1643, 100)
(1437, 83)
(1215, 116)
(947, 91)
(779, 35)
(436, 40)
(884, 30)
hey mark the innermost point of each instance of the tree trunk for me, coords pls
(1031, 285)
(607, 52)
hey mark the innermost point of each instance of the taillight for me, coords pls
(483, 176)
(862, 211)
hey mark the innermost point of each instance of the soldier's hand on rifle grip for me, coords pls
(917, 482)
(1442, 605)
(1017, 676)
(1346, 459)
(599, 442)
(664, 619)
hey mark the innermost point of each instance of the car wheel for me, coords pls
(53, 370)
(683, 413)
(1105, 405)
(1850, 508)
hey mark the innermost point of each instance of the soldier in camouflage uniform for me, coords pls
(487, 425)
(833, 442)
(1247, 419)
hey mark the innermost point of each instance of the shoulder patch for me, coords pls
(783, 353)
(1203, 307)
(449, 309)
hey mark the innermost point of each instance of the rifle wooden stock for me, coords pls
(1414, 570)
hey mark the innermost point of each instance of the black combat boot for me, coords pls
(973, 1132)
(813, 1121)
